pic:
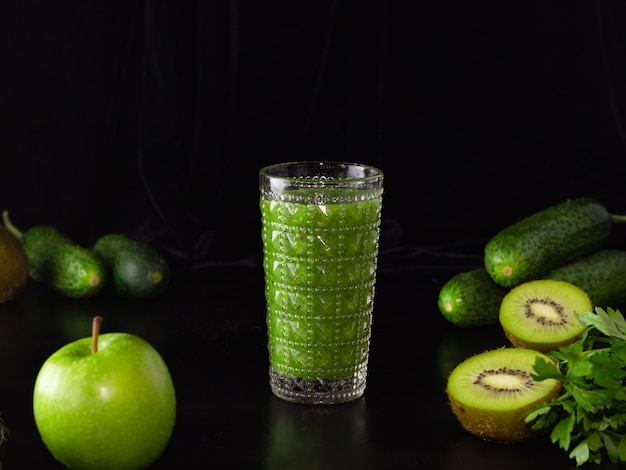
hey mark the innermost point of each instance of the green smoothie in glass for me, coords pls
(320, 237)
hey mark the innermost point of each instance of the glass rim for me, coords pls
(370, 173)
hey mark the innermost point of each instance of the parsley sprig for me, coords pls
(589, 417)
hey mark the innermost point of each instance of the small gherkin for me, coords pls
(137, 270)
(471, 298)
(55, 260)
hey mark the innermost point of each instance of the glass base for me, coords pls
(318, 392)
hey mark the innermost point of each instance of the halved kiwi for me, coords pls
(491, 392)
(540, 314)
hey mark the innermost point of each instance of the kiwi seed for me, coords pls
(541, 314)
(491, 392)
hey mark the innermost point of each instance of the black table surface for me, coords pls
(210, 329)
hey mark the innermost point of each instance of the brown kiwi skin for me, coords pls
(14, 266)
(490, 428)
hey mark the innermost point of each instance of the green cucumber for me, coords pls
(137, 270)
(555, 236)
(55, 260)
(601, 275)
(471, 298)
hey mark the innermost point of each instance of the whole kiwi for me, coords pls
(14, 266)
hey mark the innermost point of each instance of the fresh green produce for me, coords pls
(468, 298)
(541, 314)
(601, 275)
(471, 298)
(137, 270)
(491, 392)
(4, 434)
(105, 402)
(58, 262)
(14, 263)
(555, 236)
(589, 416)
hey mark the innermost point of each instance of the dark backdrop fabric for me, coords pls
(153, 118)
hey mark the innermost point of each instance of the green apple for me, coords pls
(105, 402)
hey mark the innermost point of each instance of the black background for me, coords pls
(152, 118)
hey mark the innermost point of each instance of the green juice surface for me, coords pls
(320, 266)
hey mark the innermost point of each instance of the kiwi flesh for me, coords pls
(491, 392)
(14, 266)
(541, 314)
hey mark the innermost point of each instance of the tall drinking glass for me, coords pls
(320, 232)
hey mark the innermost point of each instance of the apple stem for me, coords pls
(95, 332)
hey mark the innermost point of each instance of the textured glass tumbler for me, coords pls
(320, 232)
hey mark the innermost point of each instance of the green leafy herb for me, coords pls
(4, 434)
(588, 419)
